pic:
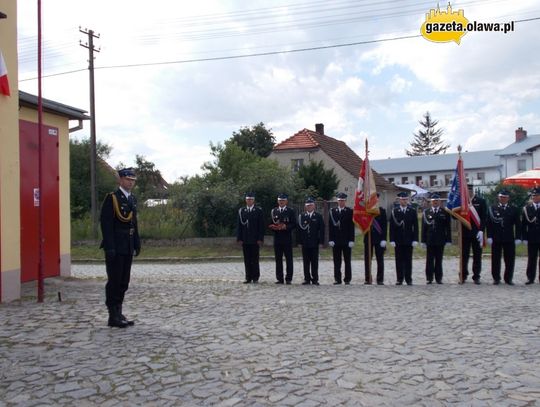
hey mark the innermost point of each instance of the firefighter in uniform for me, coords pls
(474, 239)
(311, 237)
(379, 232)
(531, 234)
(341, 238)
(120, 242)
(435, 235)
(283, 224)
(250, 234)
(403, 237)
(504, 233)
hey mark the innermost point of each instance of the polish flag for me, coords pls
(4, 84)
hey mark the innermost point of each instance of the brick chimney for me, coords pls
(521, 134)
(319, 128)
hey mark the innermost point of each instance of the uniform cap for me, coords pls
(403, 195)
(309, 200)
(249, 195)
(283, 197)
(535, 191)
(435, 197)
(504, 192)
(128, 173)
(341, 196)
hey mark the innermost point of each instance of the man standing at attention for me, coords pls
(378, 231)
(504, 233)
(341, 238)
(311, 236)
(403, 236)
(283, 224)
(250, 234)
(474, 238)
(120, 242)
(531, 234)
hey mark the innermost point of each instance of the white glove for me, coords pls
(525, 242)
(448, 244)
(383, 244)
(422, 245)
(517, 241)
(331, 243)
(490, 241)
(480, 237)
(414, 244)
(351, 244)
(393, 244)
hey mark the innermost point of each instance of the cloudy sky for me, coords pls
(157, 96)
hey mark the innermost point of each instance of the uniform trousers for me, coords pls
(118, 269)
(470, 242)
(434, 257)
(310, 256)
(379, 255)
(532, 253)
(508, 249)
(279, 251)
(404, 263)
(338, 252)
(251, 261)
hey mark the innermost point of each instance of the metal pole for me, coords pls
(41, 217)
(370, 258)
(460, 243)
(92, 136)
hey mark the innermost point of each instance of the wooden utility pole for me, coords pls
(93, 156)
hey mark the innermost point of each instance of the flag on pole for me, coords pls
(4, 83)
(366, 202)
(458, 198)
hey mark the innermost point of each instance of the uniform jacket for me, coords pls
(311, 230)
(403, 226)
(481, 208)
(286, 217)
(530, 222)
(381, 232)
(503, 225)
(250, 225)
(119, 236)
(436, 227)
(341, 226)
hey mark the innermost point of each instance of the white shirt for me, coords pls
(126, 193)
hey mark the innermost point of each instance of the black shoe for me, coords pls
(409, 283)
(477, 282)
(439, 282)
(367, 283)
(347, 282)
(429, 282)
(306, 283)
(337, 282)
(123, 318)
(247, 282)
(288, 282)
(315, 283)
(278, 282)
(496, 282)
(510, 283)
(115, 319)
(380, 283)
(399, 283)
(529, 282)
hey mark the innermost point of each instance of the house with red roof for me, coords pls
(307, 145)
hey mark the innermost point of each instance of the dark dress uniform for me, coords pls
(379, 232)
(250, 231)
(435, 234)
(504, 227)
(531, 234)
(311, 235)
(283, 224)
(404, 231)
(469, 239)
(341, 232)
(120, 242)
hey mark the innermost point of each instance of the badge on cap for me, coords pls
(128, 173)
(283, 197)
(249, 195)
(504, 192)
(341, 196)
(435, 197)
(403, 195)
(309, 200)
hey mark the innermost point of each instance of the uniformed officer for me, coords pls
(311, 236)
(435, 235)
(504, 233)
(250, 234)
(404, 237)
(341, 238)
(283, 224)
(120, 242)
(474, 238)
(531, 234)
(379, 233)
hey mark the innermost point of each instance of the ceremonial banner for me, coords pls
(4, 83)
(458, 197)
(366, 202)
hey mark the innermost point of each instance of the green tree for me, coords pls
(325, 182)
(518, 195)
(428, 141)
(79, 158)
(149, 180)
(257, 139)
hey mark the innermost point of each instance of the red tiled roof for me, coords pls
(338, 150)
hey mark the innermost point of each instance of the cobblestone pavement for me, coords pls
(204, 339)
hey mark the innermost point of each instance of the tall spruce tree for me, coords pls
(428, 141)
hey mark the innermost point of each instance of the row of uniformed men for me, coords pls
(506, 226)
